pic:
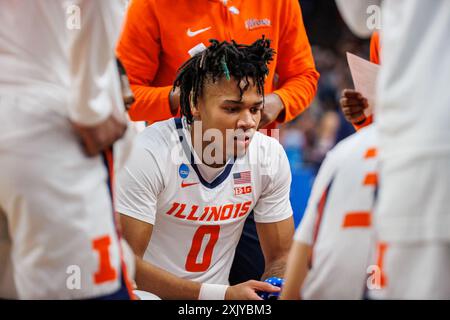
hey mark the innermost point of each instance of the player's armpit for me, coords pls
(296, 270)
(275, 239)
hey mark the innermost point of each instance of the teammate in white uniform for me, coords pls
(333, 244)
(185, 217)
(413, 215)
(59, 100)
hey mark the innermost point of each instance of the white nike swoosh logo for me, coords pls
(194, 33)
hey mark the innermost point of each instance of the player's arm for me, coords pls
(165, 284)
(273, 212)
(275, 239)
(296, 69)
(149, 277)
(95, 108)
(296, 270)
(139, 49)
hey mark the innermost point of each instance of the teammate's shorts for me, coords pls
(413, 271)
(412, 224)
(56, 205)
(413, 202)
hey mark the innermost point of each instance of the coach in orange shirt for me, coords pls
(158, 36)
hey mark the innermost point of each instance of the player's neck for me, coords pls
(199, 150)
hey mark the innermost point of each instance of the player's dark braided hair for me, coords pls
(223, 59)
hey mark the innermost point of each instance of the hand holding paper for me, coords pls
(364, 74)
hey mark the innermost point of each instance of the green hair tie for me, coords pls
(225, 68)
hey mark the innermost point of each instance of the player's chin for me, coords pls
(240, 148)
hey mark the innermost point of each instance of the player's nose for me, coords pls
(246, 120)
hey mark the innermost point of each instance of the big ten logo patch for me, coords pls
(238, 191)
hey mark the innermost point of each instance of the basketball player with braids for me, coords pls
(192, 181)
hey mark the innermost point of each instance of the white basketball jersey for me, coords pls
(197, 224)
(337, 221)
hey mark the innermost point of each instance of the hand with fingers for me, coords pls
(273, 106)
(353, 105)
(248, 290)
(99, 137)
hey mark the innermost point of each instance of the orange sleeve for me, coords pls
(365, 123)
(139, 48)
(297, 73)
(375, 48)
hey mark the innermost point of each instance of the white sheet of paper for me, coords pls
(364, 74)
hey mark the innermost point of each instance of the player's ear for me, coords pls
(194, 108)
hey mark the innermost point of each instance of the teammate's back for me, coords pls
(337, 223)
(43, 45)
(34, 48)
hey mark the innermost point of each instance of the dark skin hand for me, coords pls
(353, 105)
(273, 106)
(174, 101)
(99, 137)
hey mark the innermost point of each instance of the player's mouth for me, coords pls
(242, 141)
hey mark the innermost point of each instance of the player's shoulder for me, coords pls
(356, 144)
(160, 136)
(266, 144)
(267, 155)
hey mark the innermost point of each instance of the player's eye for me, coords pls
(231, 109)
(256, 109)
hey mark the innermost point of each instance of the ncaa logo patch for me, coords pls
(183, 171)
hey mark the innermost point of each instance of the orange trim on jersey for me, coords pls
(371, 153)
(371, 179)
(320, 210)
(357, 219)
(110, 164)
(381, 253)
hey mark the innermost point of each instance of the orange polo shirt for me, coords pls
(158, 34)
